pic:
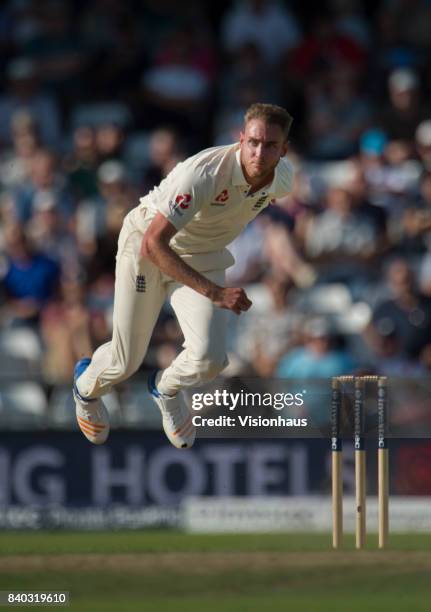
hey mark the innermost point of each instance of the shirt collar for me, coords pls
(238, 178)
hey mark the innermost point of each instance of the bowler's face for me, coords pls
(262, 144)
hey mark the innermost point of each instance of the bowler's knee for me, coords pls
(212, 366)
(124, 369)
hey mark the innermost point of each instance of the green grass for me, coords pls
(60, 542)
(161, 571)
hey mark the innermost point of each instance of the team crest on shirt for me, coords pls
(221, 199)
(180, 204)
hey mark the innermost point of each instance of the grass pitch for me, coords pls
(160, 571)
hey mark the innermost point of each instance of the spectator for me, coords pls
(281, 256)
(337, 115)
(323, 48)
(109, 139)
(415, 226)
(322, 356)
(99, 220)
(341, 231)
(263, 335)
(423, 143)
(390, 49)
(350, 21)
(65, 330)
(50, 235)
(405, 109)
(24, 94)
(164, 154)
(117, 48)
(15, 163)
(45, 176)
(80, 165)
(266, 23)
(57, 48)
(390, 360)
(358, 189)
(389, 175)
(403, 171)
(407, 314)
(30, 279)
(161, 17)
(176, 87)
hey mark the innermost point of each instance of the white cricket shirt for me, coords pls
(206, 198)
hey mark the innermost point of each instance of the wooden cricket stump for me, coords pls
(360, 460)
(383, 462)
(360, 465)
(337, 465)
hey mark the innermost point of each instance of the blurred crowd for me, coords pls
(100, 99)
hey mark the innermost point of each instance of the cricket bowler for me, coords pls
(173, 246)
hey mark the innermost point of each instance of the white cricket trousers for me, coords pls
(140, 291)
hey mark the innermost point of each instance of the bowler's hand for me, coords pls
(231, 298)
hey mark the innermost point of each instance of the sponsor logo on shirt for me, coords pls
(181, 203)
(221, 199)
(261, 201)
(141, 284)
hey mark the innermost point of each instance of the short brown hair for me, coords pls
(270, 113)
